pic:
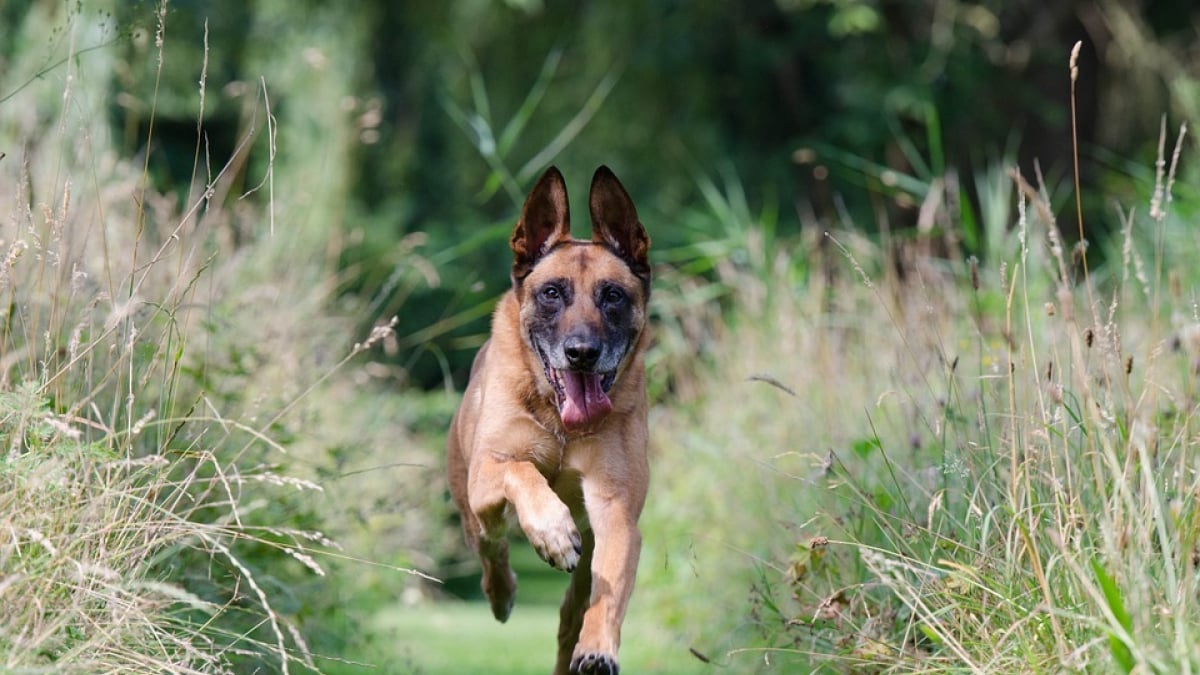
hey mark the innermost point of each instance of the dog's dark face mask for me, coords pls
(582, 302)
(582, 336)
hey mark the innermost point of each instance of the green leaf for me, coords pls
(863, 447)
(1112, 595)
(884, 499)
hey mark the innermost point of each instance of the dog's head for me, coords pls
(583, 302)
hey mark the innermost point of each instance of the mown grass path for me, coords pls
(460, 637)
(454, 638)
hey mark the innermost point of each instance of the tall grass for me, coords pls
(965, 466)
(1067, 539)
(154, 377)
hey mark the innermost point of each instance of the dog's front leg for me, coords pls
(543, 517)
(618, 544)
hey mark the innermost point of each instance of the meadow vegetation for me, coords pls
(166, 360)
(964, 465)
(964, 447)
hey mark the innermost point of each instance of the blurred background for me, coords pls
(824, 113)
(360, 161)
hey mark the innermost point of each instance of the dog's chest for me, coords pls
(559, 459)
(547, 453)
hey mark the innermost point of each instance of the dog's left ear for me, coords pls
(615, 223)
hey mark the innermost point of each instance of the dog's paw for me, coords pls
(594, 664)
(500, 587)
(555, 537)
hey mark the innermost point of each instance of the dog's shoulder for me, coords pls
(504, 375)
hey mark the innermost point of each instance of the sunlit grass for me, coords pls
(451, 638)
(981, 466)
(149, 384)
(967, 467)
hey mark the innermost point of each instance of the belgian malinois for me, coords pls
(552, 427)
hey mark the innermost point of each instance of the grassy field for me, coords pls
(878, 453)
(452, 638)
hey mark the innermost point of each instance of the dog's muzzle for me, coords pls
(581, 394)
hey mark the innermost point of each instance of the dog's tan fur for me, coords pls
(576, 492)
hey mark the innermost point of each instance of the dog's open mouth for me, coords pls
(582, 397)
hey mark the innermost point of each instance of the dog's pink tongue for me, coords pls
(584, 400)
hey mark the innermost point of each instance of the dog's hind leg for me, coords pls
(574, 604)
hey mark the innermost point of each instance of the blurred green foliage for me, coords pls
(821, 107)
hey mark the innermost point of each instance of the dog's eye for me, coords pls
(614, 296)
(551, 293)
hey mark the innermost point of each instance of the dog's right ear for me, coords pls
(545, 221)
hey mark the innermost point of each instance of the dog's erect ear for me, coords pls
(545, 221)
(615, 223)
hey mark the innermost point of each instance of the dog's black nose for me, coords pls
(582, 352)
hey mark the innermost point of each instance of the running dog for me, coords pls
(552, 426)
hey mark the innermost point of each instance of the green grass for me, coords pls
(970, 467)
(450, 638)
(454, 636)
(967, 468)
(150, 387)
